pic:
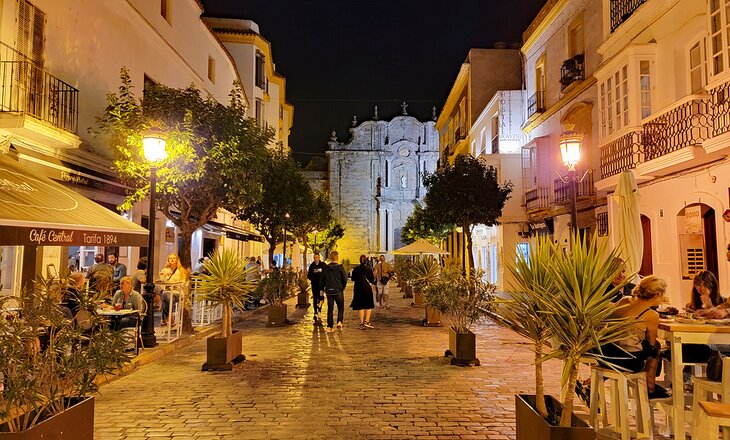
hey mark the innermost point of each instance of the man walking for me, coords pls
(314, 275)
(334, 280)
(382, 272)
(120, 270)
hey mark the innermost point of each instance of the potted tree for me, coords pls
(302, 291)
(49, 364)
(223, 283)
(464, 299)
(275, 289)
(425, 271)
(569, 293)
(402, 269)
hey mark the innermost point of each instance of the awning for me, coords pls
(36, 211)
(235, 233)
(419, 247)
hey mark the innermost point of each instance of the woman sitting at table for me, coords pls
(706, 300)
(173, 272)
(126, 299)
(641, 344)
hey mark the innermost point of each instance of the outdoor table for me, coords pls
(676, 334)
(116, 315)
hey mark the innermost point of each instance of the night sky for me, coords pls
(342, 57)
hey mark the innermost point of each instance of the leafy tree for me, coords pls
(420, 225)
(465, 194)
(214, 152)
(327, 239)
(315, 214)
(284, 191)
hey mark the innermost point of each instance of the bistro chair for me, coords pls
(627, 391)
(175, 312)
(705, 390)
(711, 416)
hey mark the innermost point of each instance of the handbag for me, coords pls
(714, 366)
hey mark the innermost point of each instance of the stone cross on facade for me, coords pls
(404, 106)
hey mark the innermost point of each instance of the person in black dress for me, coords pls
(362, 300)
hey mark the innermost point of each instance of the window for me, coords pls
(387, 174)
(645, 85)
(211, 69)
(540, 76)
(495, 134)
(717, 39)
(281, 111)
(614, 101)
(31, 32)
(575, 37)
(697, 68)
(165, 10)
(260, 113)
(462, 118)
(529, 168)
(260, 71)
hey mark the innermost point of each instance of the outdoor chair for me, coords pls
(175, 313)
(705, 390)
(710, 417)
(627, 391)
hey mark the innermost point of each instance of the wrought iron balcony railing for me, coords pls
(571, 71)
(26, 88)
(584, 189)
(537, 199)
(536, 103)
(621, 154)
(686, 124)
(721, 109)
(621, 10)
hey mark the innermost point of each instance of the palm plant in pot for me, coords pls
(224, 284)
(276, 288)
(569, 296)
(303, 288)
(425, 271)
(465, 299)
(49, 364)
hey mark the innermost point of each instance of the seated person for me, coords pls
(140, 277)
(640, 350)
(72, 293)
(628, 287)
(128, 299)
(705, 301)
(173, 272)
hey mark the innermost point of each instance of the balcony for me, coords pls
(621, 154)
(537, 199)
(571, 71)
(621, 10)
(536, 103)
(584, 189)
(36, 104)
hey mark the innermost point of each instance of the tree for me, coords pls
(315, 214)
(327, 239)
(420, 225)
(214, 152)
(284, 191)
(465, 194)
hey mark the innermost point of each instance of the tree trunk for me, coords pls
(272, 248)
(306, 248)
(539, 382)
(226, 328)
(467, 230)
(185, 260)
(567, 414)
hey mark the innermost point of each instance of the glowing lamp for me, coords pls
(570, 144)
(153, 141)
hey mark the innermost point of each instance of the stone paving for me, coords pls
(298, 382)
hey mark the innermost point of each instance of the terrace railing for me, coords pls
(688, 123)
(537, 199)
(583, 188)
(536, 103)
(621, 10)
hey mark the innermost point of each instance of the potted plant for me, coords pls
(223, 283)
(275, 289)
(568, 295)
(401, 267)
(303, 288)
(49, 364)
(425, 271)
(464, 299)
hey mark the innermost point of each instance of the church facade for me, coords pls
(376, 178)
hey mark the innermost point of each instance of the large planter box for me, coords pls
(303, 300)
(222, 353)
(463, 345)
(277, 315)
(75, 423)
(531, 426)
(433, 318)
(417, 299)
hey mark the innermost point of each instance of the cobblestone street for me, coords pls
(299, 382)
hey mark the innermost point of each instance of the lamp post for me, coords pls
(314, 249)
(154, 143)
(286, 220)
(570, 145)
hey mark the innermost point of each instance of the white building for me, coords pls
(78, 49)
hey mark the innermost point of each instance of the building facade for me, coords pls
(376, 178)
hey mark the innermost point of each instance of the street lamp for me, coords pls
(153, 141)
(570, 143)
(283, 263)
(314, 249)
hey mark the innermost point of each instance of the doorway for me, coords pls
(209, 245)
(646, 259)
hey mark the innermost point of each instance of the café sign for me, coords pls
(29, 236)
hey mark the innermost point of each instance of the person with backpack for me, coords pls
(334, 280)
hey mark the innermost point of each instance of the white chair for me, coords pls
(706, 390)
(175, 312)
(710, 417)
(626, 390)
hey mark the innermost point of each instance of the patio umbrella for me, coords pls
(629, 232)
(419, 247)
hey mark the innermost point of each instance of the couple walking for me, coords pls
(331, 279)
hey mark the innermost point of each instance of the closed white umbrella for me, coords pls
(630, 234)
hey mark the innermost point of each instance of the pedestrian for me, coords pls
(120, 270)
(100, 275)
(382, 272)
(334, 280)
(362, 299)
(314, 275)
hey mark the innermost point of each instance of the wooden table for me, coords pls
(676, 334)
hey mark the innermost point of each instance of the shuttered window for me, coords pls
(31, 31)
